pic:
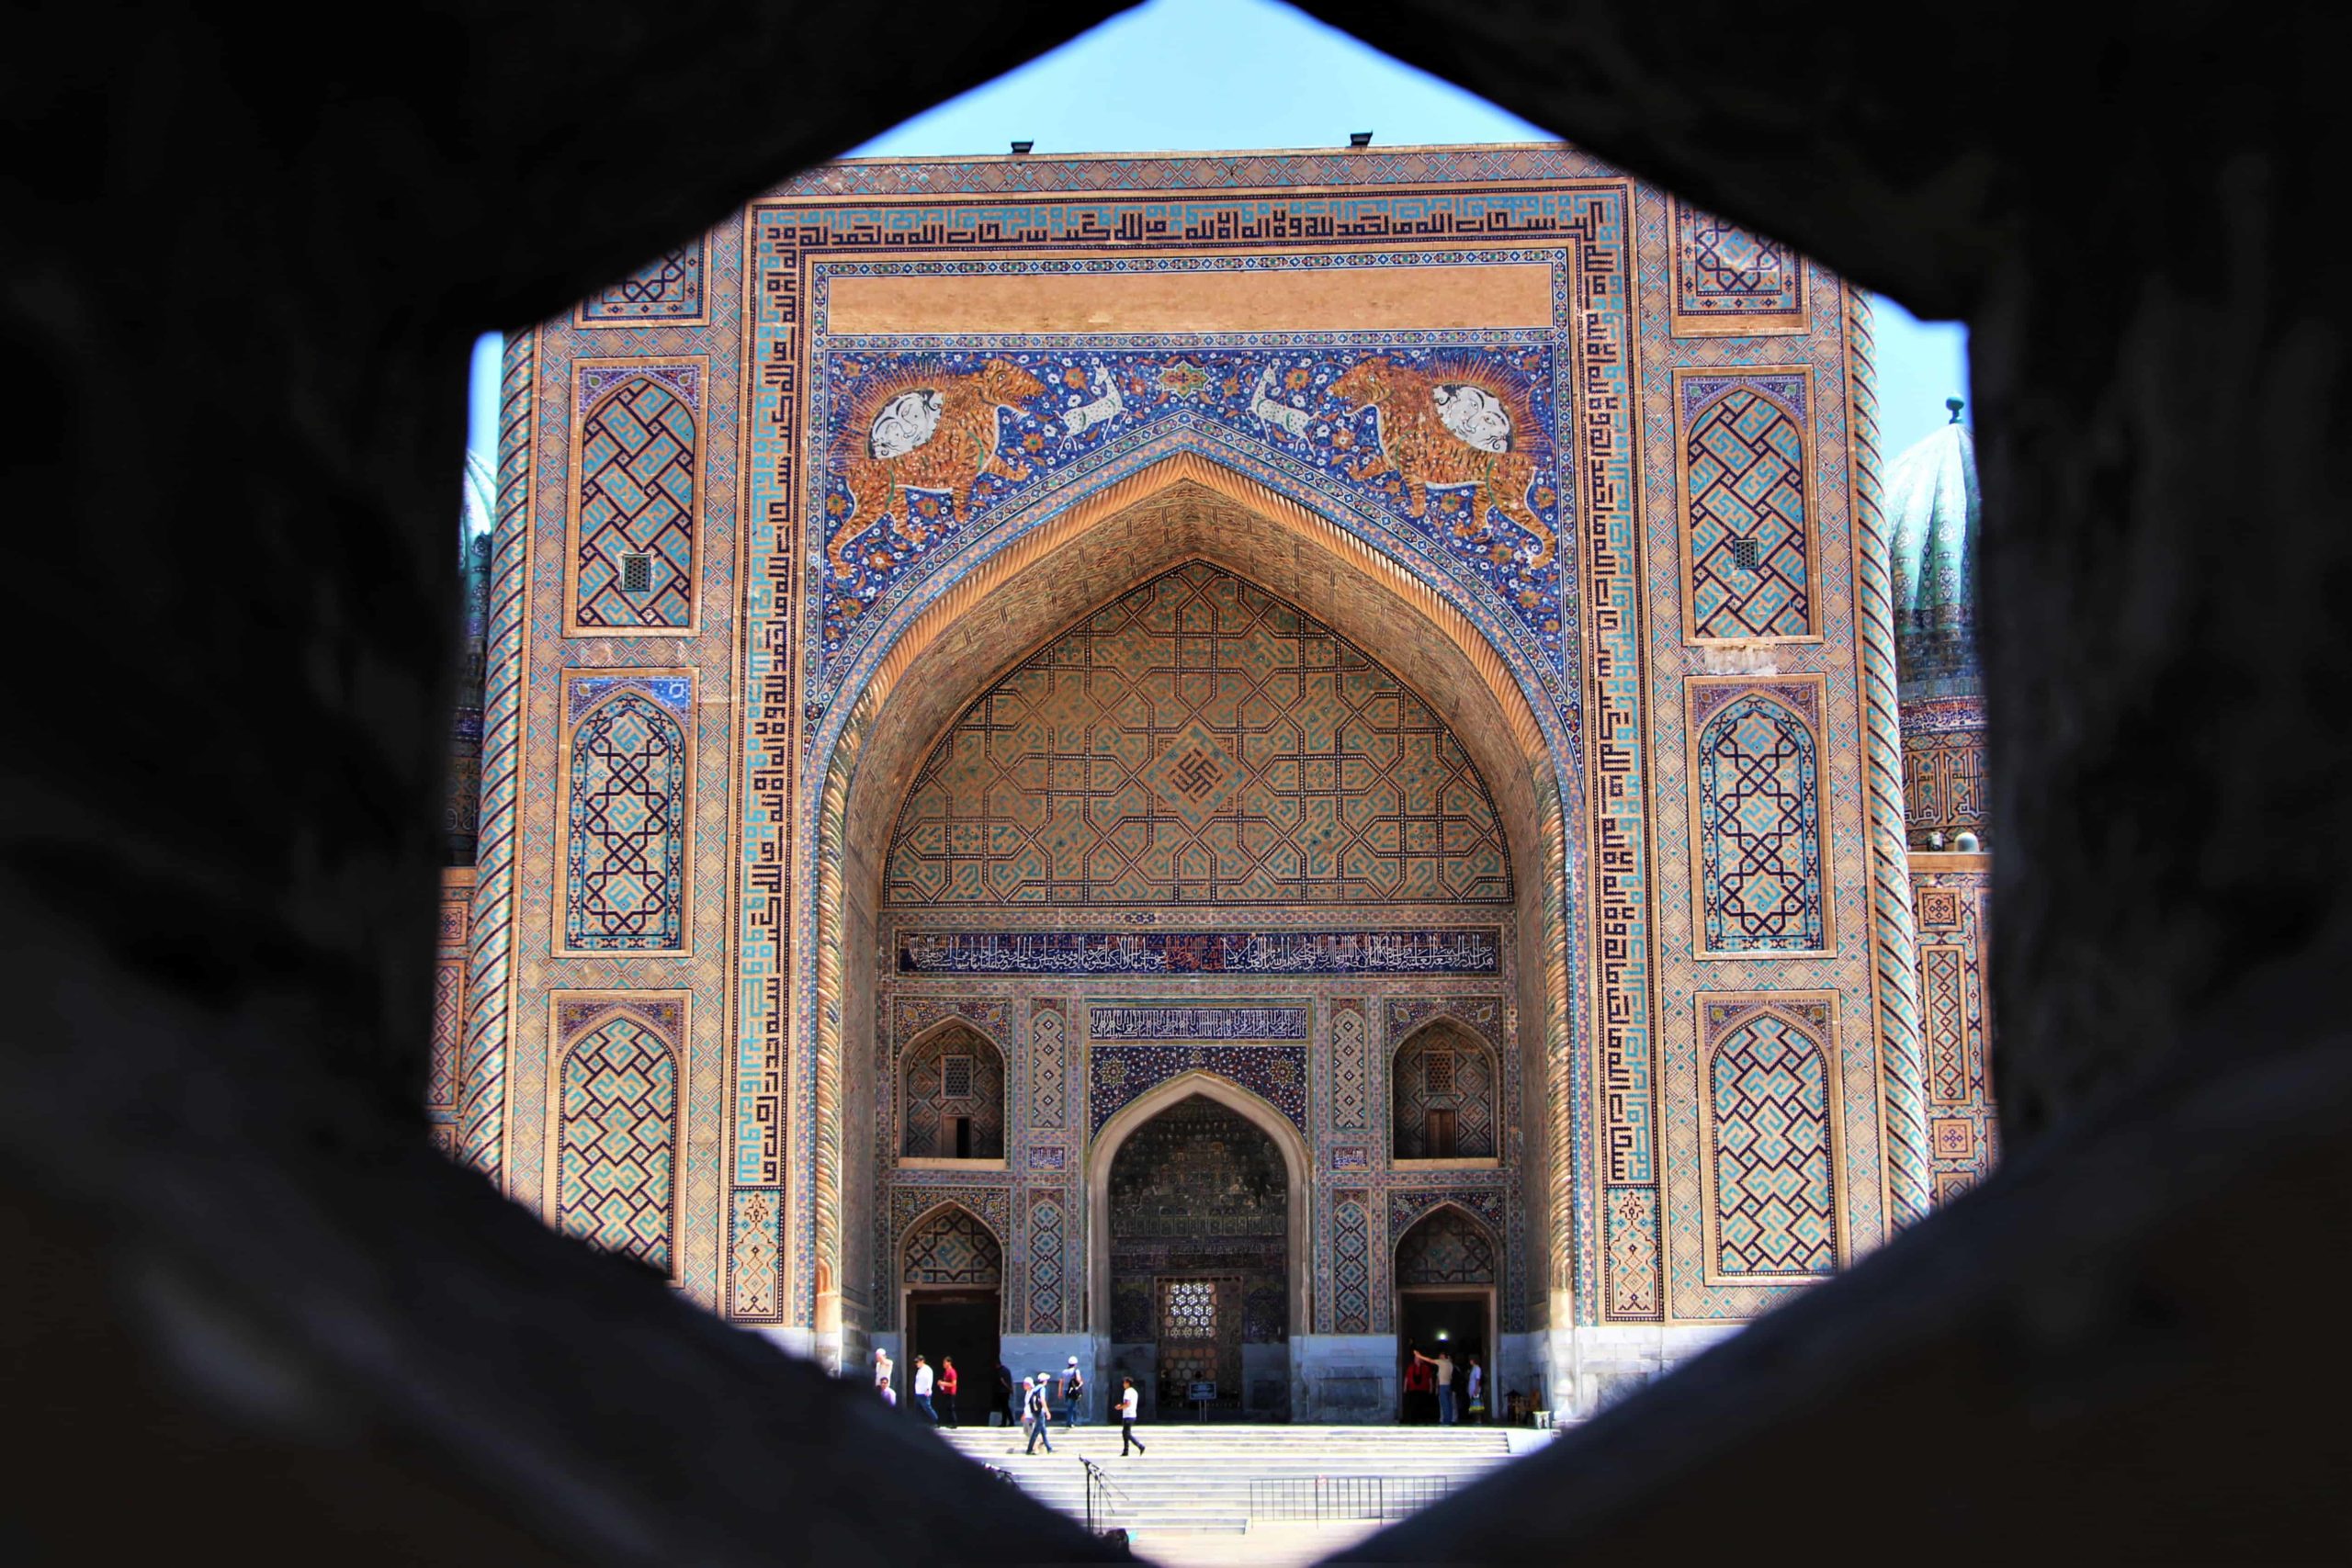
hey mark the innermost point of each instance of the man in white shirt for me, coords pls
(1128, 1401)
(922, 1391)
(1443, 1362)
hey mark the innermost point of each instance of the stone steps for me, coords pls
(1197, 1479)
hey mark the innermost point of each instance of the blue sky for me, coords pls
(1206, 75)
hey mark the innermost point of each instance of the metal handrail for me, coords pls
(1098, 1479)
(1320, 1497)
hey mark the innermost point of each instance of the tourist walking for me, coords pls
(1073, 1394)
(882, 1378)
(1477, 1393)
(1004, 1395)
(947, 1388)
(1442, 1363)
(1038, 1410)
(1128, 1400)
(924, 1377)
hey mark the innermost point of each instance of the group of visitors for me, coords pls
(1429, 1387)
(1036, 1397)
(930, 1385)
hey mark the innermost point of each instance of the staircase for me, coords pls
(1197, 1478)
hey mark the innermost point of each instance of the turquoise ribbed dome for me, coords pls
(1932, 506)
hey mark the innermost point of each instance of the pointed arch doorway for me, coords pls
(1198, 1267)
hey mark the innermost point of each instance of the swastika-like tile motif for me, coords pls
(626, 839)
(617, 1141)
(1730, 279)
(634, 565)
(1759, 810)
(1198, 741)
(1768, 1096)
(1749, 536)
(667, 288)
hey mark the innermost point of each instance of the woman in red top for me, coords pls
(947, 1388)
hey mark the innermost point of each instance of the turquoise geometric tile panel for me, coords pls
(1745, 506)
(1759, 808)
(625, 859)
(634, 563)
(617, 1141)
(1775, 1213)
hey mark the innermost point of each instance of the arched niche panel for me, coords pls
(1771, 1165)
(951, 1096)
(1447, 1248)
(1445, 1095)
(639, 450)
(952, 1247)
(626, 818)
(1757, 819)
(616, 1139)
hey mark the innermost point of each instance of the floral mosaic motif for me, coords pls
(1775, 1211)
(1276, 1074)
(1750, 557)
(1447, 1248)
(635, 562)
(953, 1248)
(1454, 443)
(752, 1216)
(1351, 1266)
(1632, 1257)
(1759, 829)
(617, 1140)
(625, 844)
(1443, 1078)
(1320, 778)
(667, 288)
(949, 1076)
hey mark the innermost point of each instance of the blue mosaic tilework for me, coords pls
(1466, 950)
(1117, 1074)
(1363, 421)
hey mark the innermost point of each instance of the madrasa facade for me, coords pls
(1221, 765)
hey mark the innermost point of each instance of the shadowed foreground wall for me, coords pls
(239, 282)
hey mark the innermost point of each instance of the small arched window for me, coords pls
(1443, 1085)
(951, 1097)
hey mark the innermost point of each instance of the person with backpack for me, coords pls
(1128, 1400)
(1073, 1394)
(1038, 1410)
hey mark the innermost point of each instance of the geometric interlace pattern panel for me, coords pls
(618, 1141)
(1748, 576)
(1439, 1069)
(954, 1249)
(1759, 831)
(637, 498)
(1197, 741)
(626, 864)
(1447, 1249)
(1775, 1213)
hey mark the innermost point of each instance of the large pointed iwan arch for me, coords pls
(1002, 605)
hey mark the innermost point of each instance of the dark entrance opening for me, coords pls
(1199, 1266)
(961, 1323)
(1453, 1322)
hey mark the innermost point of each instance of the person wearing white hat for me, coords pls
(1073, 1394)
(1038, 1410)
